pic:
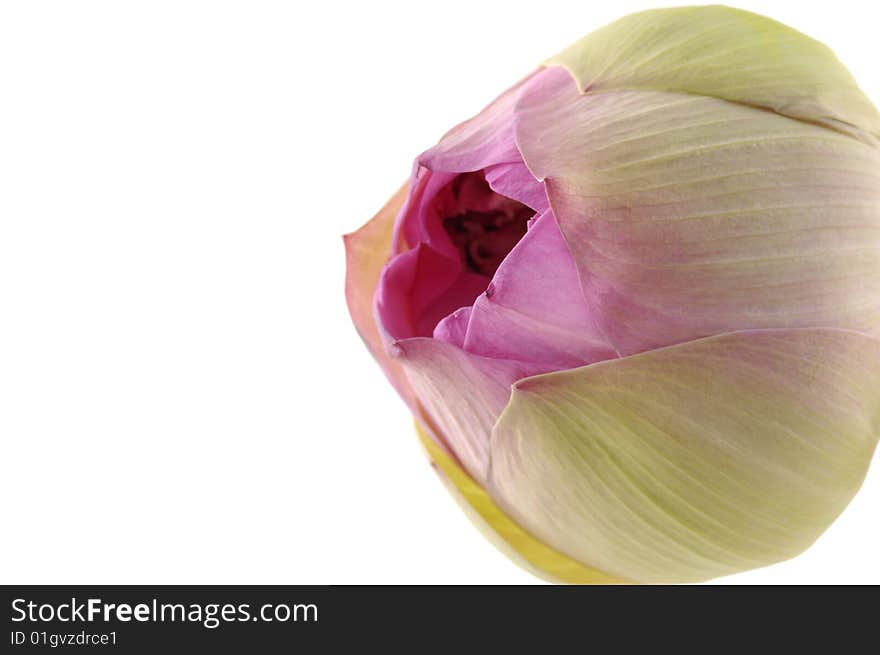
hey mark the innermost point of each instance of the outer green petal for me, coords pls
(692, 461)
(689, 216)
(521, 547)
(725, 53)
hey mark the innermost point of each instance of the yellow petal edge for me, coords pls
(520, 546)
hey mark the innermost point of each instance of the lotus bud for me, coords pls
(634, 303)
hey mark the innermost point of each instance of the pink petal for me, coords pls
(516, 181)
(462, 395)
(421, 286)
(484, 140)
(534, 310)
(453, 328)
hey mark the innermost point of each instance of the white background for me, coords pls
(183, 398)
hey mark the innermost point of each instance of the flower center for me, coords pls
(484, 226)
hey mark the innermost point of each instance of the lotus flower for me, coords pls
(634, 303)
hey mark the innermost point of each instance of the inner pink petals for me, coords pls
(461, 230)
(479, 260)
(420, 287)
(420, 220)
(533, 311)
(482, 225)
